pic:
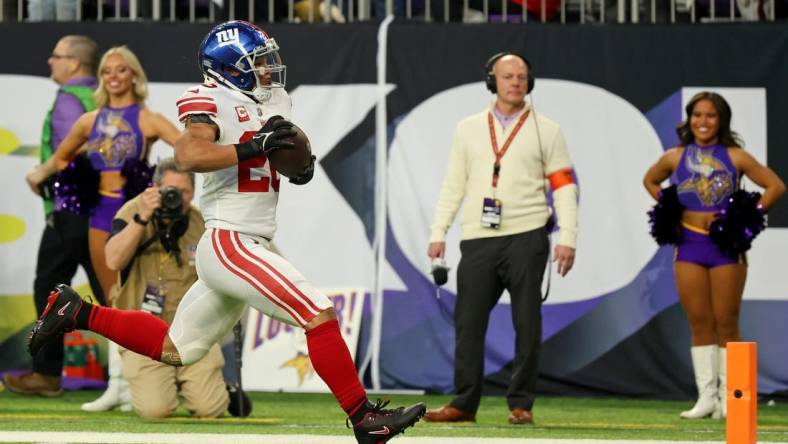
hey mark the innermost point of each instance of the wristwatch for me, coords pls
(140, 220)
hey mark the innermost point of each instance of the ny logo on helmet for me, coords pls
(227, 36)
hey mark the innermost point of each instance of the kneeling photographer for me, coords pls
(152, 245)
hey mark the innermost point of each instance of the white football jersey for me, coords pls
(242, 197)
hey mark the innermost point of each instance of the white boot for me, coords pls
(705, 363)
(722, 410)
(117, 393)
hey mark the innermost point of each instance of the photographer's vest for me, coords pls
(85, 96)
(154, 267)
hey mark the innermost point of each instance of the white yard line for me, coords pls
(213, 438)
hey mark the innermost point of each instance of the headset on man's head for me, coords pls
(489, 76)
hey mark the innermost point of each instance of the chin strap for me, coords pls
(259, 94)
(262, 95)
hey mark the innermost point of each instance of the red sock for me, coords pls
(137, 331)
(332, 362)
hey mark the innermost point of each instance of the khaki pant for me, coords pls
(154, 386)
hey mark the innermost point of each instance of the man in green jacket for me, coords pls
(64, 243)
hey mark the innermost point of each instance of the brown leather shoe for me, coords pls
(521, 416)
(33, 384)
(448, 413)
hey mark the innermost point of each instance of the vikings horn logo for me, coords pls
(116, 140)
(711, 181)
(302, 366)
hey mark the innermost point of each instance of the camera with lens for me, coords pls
(171, 205)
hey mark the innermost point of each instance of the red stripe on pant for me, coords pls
(259, 279)
(292, 286)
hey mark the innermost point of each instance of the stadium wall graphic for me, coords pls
(617, 92)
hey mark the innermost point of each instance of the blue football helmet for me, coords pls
(242, 57)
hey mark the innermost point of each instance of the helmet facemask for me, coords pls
(265, 68)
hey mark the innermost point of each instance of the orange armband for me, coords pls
(561, 178)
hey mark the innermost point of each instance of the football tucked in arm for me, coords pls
(293, 162)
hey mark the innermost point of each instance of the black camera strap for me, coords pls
(171, 244)
(168, 235)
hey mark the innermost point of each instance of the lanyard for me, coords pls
(502, 152)
(163, 258)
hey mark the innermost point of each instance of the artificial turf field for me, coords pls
(290, 417)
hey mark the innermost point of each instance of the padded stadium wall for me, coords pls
(612, 327)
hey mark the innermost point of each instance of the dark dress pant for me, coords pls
(487, 267)
(63, 248)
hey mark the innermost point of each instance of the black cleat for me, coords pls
(380, 425)
(58, 317)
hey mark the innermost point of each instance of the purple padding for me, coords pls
(664, 117)
(69, 383)
(557, 316)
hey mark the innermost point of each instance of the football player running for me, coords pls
(233, 121)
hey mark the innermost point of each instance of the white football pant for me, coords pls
(234, 270)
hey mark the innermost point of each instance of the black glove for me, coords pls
(306, 176)
(272, 136)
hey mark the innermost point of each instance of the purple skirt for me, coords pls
(102, 214)
(696, 247)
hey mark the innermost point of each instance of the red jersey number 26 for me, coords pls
(259, 184)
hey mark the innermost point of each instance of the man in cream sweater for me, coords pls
(501, 162)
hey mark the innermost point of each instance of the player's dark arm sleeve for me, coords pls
(202, 118)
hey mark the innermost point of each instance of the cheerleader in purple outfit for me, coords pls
(705, 178)
(115, 139)
(116, 135)
(707, 168)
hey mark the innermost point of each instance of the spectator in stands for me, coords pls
(152, 244)
(64, 242)
(303, 11)
(399, 8)
(495, 10)
(51, 10)
(122, 8)
(708, 165)
(117, 138)
(756, 10)
(316, 11)
(500, 164)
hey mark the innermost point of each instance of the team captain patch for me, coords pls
(243, 115)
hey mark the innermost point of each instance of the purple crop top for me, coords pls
(115, 137)
(705, 177)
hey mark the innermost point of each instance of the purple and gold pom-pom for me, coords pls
(139, 176)
(738, 224)
(665, 217)
(76, 187)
